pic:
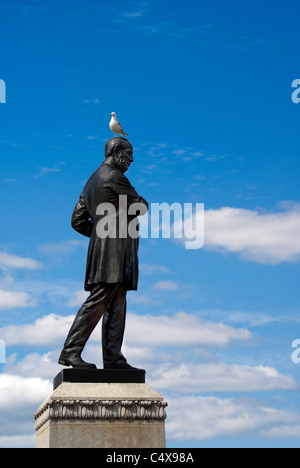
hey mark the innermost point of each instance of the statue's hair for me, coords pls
(112, 145)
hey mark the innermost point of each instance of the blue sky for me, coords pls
(204, 91)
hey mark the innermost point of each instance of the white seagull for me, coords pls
(115, 126)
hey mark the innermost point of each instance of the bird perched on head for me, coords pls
(115, 126)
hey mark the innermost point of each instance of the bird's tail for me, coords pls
(124, 134)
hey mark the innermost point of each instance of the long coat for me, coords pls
(109, 260)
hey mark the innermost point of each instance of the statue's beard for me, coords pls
(123, 164)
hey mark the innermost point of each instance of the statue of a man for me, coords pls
(112, 261)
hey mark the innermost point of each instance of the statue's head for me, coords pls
(120, 152)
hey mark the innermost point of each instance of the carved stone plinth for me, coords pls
(102, 415)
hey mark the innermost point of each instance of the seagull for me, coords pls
(115, 126)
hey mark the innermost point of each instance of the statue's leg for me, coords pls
(113, 327)
(87, 318)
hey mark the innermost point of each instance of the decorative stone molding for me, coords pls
(100, 410)
(101, 415)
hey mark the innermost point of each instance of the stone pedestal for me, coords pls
(101, 415)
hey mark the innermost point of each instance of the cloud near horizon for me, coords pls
(153, 339)
(16, 300)
(12, 261)
(266, 238)
(178, 330)
(220, 377)
(200, 418)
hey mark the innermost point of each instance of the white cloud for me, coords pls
(270, 238)
(180, 378)
(19, 399)
(15, 299)
(46, 170)
(92, 138)
(16, 390)
(148, 269)
(256, 319)
(179, 152)
(195, 418)
(282, 430)
(201, 418)
(16, 262)
(134, 14)
(189, 417)
(43, 366)
(18, 441)
(48, 330)
(171, 376)
(62, 248)
(166, 285)
(180, 330)
(139, 9)
(90, 101)
(220, 377)
(57, 292)
(142, 300)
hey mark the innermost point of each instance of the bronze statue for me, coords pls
(112, 261)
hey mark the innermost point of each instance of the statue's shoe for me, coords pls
(75, 361)
(121, 365)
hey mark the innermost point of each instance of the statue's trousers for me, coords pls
(107, 301)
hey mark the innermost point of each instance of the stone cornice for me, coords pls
(92, 409)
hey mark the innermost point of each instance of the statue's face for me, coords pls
(124, 156)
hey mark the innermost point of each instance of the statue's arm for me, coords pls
(122, 186)
(81, 221)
